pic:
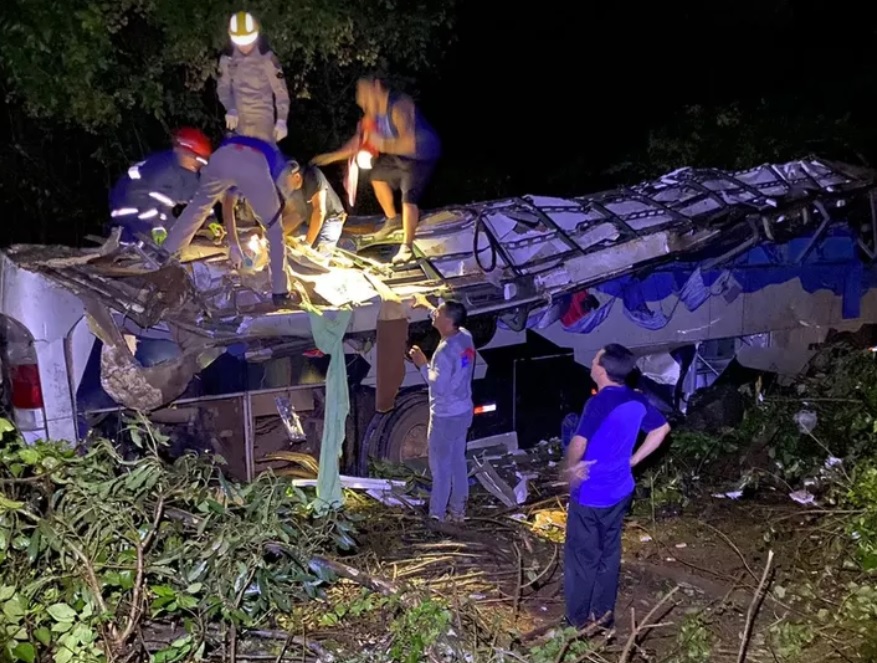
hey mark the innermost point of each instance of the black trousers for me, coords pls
(592, 561)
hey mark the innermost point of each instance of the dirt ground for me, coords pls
(506, 567)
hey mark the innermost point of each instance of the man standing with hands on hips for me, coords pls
(449, 376)
(599, 465)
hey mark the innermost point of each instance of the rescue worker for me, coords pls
(251, 85)
(408, 150)
(319, 206)
(143, 200)
(308, 197)
(257, 170)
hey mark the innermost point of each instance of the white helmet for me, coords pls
(243, 29)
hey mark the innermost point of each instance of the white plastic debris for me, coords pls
(806, 421)
(731, 495)
(804, 497)
(290, 419)
(521, 490)
(832, 461)
(645, 538)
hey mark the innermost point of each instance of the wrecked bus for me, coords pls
(692, 270)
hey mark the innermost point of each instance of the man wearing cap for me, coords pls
(251, 85)
(143, 200)
(256, 170)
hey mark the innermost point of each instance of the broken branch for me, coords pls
(753, 609)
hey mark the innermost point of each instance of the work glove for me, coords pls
(280, 131)
(231, 120)
(235, 255)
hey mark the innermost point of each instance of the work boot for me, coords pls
(390, 226)
(403, 255)
(456, 518)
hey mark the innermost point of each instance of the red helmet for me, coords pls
(193, 140)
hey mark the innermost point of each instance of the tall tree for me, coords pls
(109, 78)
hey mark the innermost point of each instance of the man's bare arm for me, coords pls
(228, 205)
(575, 451)
(344, 152)
(653, 440)
(290, 218)
(318, 216)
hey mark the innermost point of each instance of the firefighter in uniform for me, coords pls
(143, 200)
(251, 85)
(258, 171)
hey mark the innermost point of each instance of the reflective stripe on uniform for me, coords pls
(160, 197)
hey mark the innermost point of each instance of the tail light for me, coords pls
(483, 409)
(27, 393)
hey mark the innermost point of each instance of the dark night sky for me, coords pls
(544, 97)
(558, 85)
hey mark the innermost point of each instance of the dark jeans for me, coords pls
(447, 464)
(592, 561)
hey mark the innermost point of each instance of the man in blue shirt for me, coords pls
(143, 200)
(599, 464)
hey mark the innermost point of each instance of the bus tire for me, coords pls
(403, 434)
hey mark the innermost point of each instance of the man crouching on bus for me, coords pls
(449, 376)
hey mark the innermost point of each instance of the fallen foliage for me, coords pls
(107, 559)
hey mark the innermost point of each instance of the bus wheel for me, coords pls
(403, 436)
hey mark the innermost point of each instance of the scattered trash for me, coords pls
(290, 420)
(550, 524)
(645, 538)
(731, 495)
(803, 497)
(806, 421)
(681, 545)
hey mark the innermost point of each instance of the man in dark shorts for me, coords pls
(599, 464)
(408, 149)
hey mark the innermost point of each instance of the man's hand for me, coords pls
(231, 120)
(580, 472)
(420, 301)
(324, 159)
(416, 355)
(235, 255)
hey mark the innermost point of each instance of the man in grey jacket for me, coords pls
(251, 85)
(449, 376)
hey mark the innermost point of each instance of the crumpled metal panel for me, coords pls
(503, 255)
(526, 236)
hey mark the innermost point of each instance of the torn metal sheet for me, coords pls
(127, 381)
(386, 491)
(510, 255)
(493, 483)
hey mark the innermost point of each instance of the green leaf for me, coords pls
(43, 635)
(29, 456)
(163, 591)
(24, 651)
(6, 426)
(194, 588)
(63, 655)
(61, 612)
(8, 504)
(13, 609)
(6, 592)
